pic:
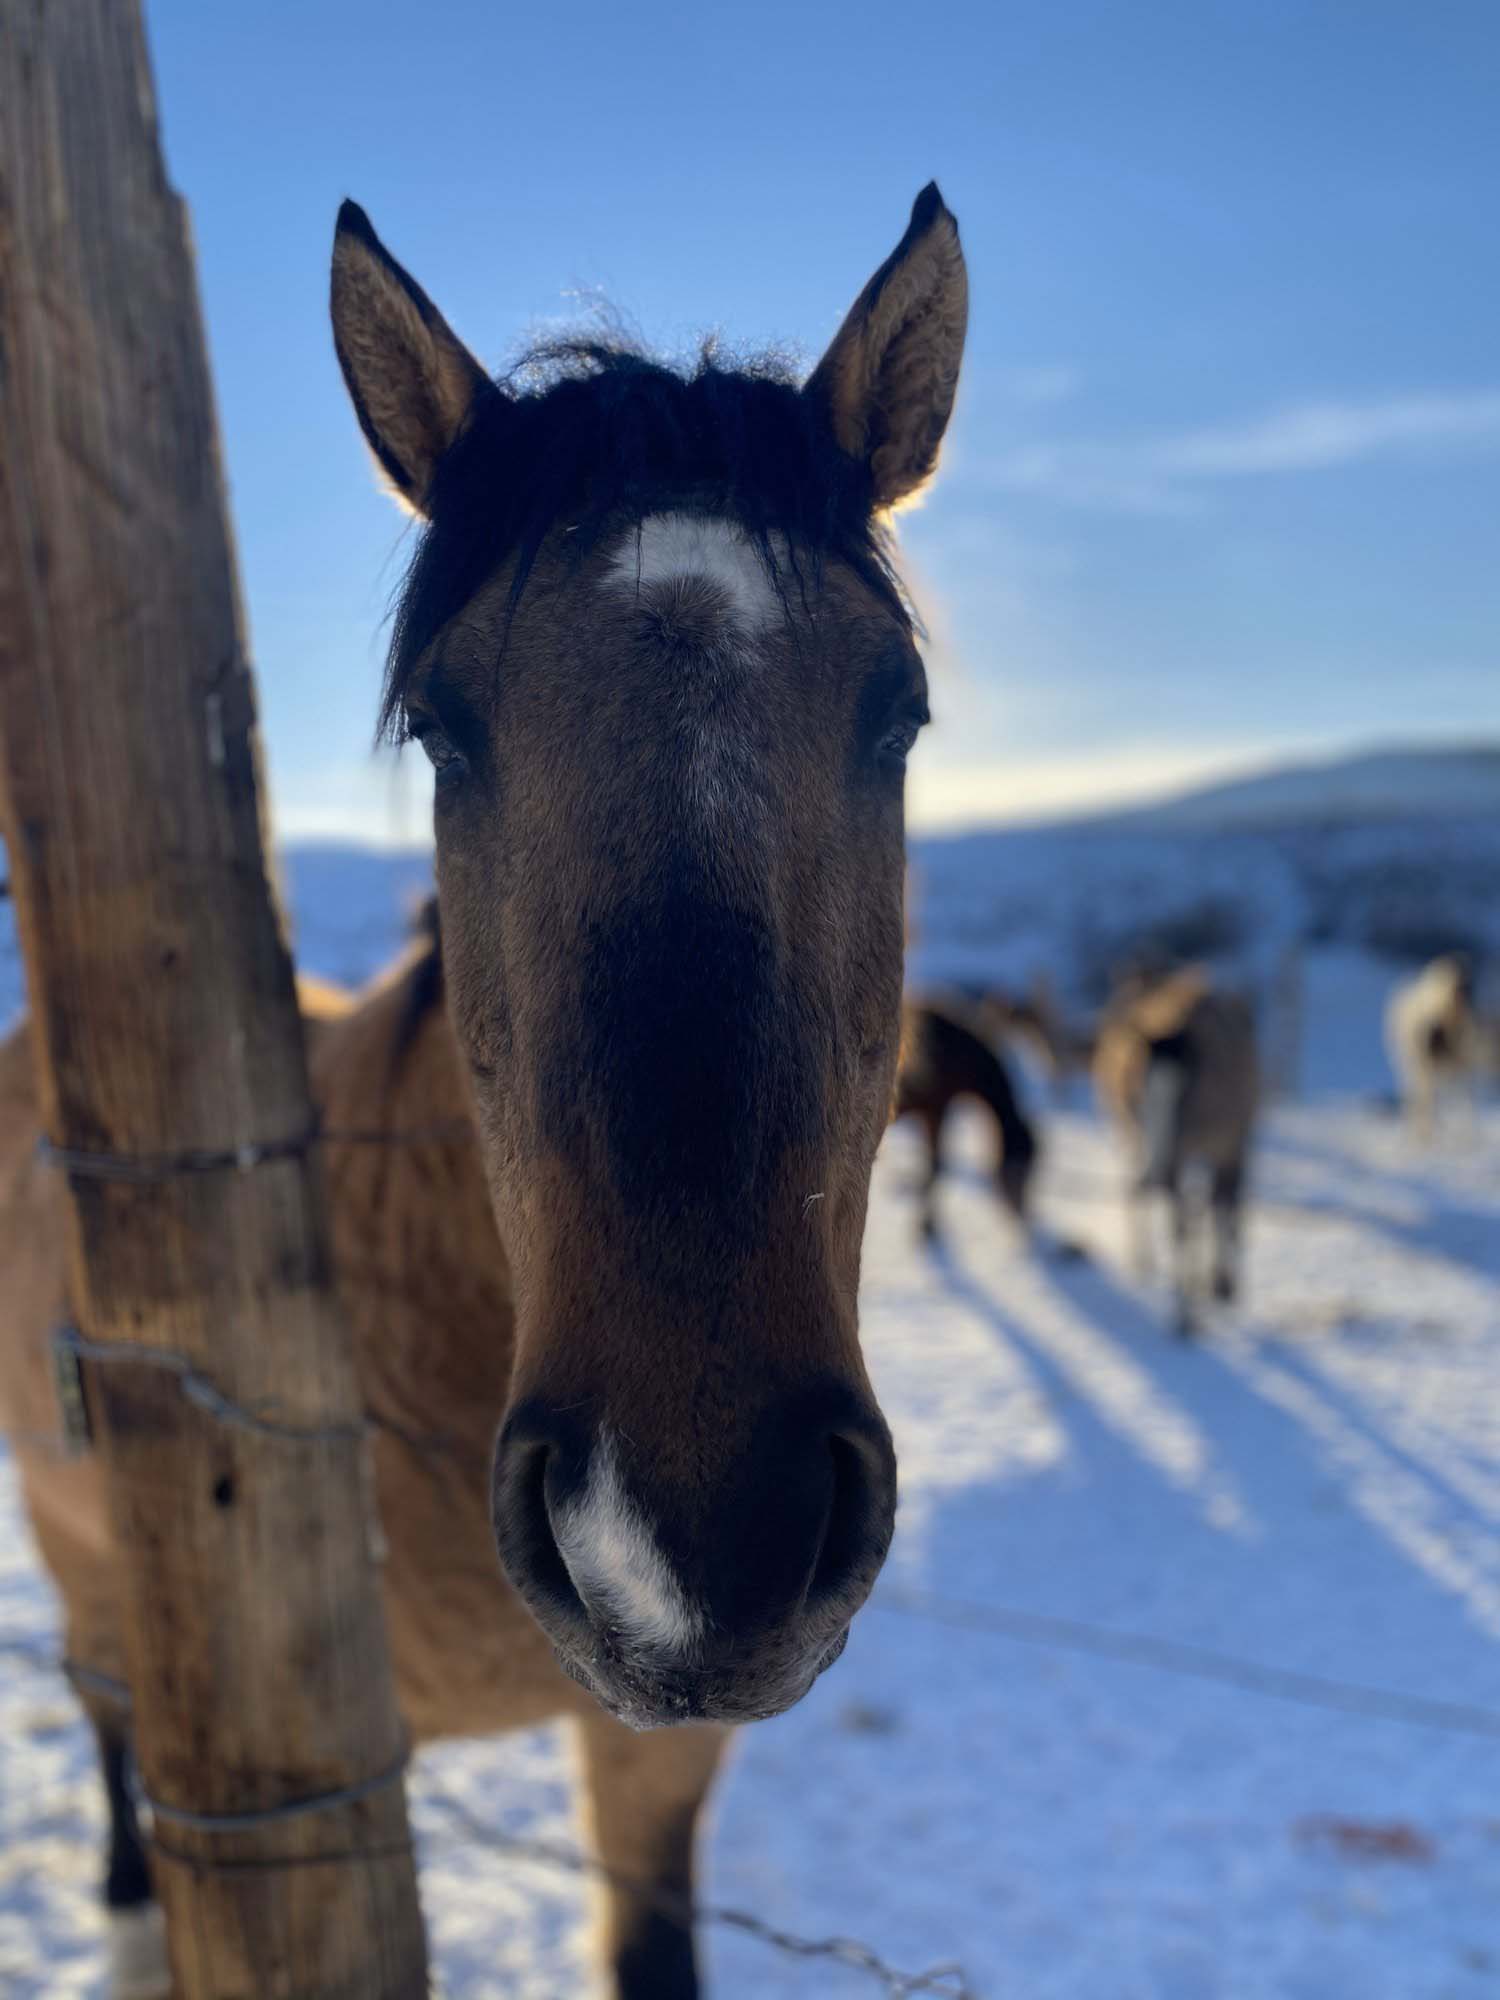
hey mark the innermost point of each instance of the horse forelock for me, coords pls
(596, 437)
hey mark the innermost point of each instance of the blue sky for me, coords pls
(1224, 478)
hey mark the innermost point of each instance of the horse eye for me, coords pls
(446, 759)
(902, 734)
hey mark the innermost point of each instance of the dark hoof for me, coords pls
(1225, 1287)
(658, 1963)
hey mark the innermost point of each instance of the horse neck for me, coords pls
(1165, 1008)
(415, 1239)
(988, 1079)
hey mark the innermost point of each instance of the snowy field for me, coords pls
(1313, 1491)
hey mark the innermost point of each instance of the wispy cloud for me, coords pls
(1041, 388)
(1167, 474)
(1311, 436)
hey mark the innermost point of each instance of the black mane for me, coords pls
(588, 431)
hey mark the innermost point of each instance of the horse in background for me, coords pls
(1034, 1021)
(653, 643)
(1175, 1066)
(1439, 1046)
(942, 1060)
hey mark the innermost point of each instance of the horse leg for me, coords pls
(932, 1125)
(644, 1794)
(1184, 1289)
(1228, 1193)
(1138, 1221)
(137, 1935)
(1138, 1209)
(1422, 1104)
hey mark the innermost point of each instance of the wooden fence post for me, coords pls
(166, 1025)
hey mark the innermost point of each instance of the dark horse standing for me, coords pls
(941, 1061)
(654, 646)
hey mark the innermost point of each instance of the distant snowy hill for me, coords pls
(1380, 784)
(1073, 901)
(350, 907)
(1396, 854)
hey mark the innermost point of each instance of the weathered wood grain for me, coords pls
(162, 995)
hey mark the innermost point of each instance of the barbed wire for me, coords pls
(151, 1169)
(1085, 1186)
(1061, 1634)
(946, 1979)
(1056, 1634)
(201, 1391)
(1185, 1658)
(1191, 1661)
(205, 1395)
(944, 1982)
(39, 1653)
(1180, 1657)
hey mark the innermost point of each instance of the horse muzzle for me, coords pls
(717, 1602)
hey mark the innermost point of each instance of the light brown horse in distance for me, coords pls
(652, 642)
(1175, 1066)
(1436, 1040)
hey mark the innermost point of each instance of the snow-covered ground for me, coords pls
(1314, 1488)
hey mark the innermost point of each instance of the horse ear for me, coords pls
(411, 379)
(889, 378)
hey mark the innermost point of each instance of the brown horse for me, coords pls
(942, 1060)
(654, 647)
(1034, 1020)
(1175, 1066)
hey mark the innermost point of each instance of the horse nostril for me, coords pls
(525, 1482)
(857, 1532)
